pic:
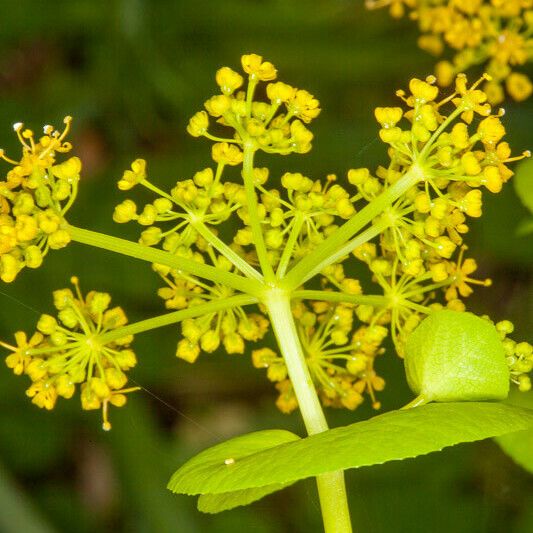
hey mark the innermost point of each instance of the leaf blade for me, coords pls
(216, 503)
(392, 436)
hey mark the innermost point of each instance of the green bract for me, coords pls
(456, 356)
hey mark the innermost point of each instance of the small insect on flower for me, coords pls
(81, 346)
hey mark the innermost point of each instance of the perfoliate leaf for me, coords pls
(228, 454)
(215, 503)
(391, 436)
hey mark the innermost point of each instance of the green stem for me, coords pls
(248, 270)
(331, 487)
(153, 255)
(424, 152)
(251, 201)
(176, 316)
(289, 247)
(327, 249)
(335, 296)
(350, 246)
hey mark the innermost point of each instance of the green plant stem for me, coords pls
(176, 316)
(153, 255)
(326, 252)
(251, 203)
(331, 487)
(376, 300)
(289, 247)
(248, 270)
(350, 246)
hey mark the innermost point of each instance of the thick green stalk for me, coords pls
(153, 255)
(326, 252)
(331, 487)
(176, 316)
(251, 204)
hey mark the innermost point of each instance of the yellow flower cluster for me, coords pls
(229, 328)
(277, 125)
(493, 33)
(204, 200)
(34, 198)
(305, 211)
(420, 250)
(192, 206)
(340, 359)
(72, 350)
(519, 356)
(414, 247)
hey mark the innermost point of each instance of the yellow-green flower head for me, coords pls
(78, 347)
(420, 253)
(275, 125)
(229, 329)
(493, 33)
(519, 356)
(34, 199)
(455, 160)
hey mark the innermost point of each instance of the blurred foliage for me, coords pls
(131, 72)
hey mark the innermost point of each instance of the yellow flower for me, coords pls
(493, 32)
(490, 130)
(519, 86)
(132, 177)
(226, 154)
(256, 68)
(34, 199)
(471, 203)
(228, 80)
(388, 117)
(423, 91)
(461, 280)
(198, 124)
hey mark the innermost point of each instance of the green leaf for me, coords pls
(391, 436)
(519, 445)
(453, 356)
(234, 450)
(215, 503)
(523, 183)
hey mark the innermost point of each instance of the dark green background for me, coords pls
(131, 73)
